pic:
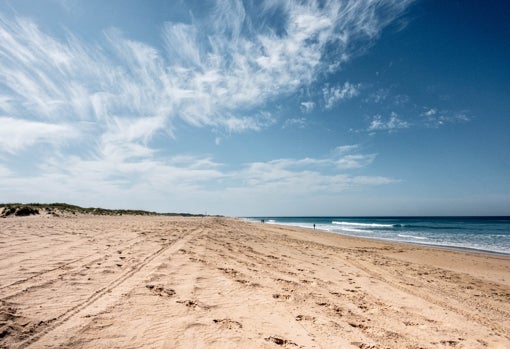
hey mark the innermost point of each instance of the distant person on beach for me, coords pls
(314, 226)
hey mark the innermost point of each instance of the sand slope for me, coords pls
(161, 282)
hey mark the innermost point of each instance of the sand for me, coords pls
(171, 282)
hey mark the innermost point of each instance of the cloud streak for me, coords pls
(436, 118)
(17, 134)
(116, 104)
(180, 180)
(334, 95)
(392, 124)
(198, 77)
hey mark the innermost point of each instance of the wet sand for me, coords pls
(171, 282)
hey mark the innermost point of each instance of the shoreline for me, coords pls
(215, 282)
(432, 245)
(466, 250)
(445, 247)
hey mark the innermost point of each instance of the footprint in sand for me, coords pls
(281, 296)
(450, 343)
(305, 318)
(288, 282)
(229, 271)
(411, 323)
(228, 324)
(160, 290)
(280, 341)
(363, 345)
(357, 325)
(247, 283)
(193, 304)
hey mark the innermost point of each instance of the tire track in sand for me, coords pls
(442, 300)
(52, 275)
(59, 322)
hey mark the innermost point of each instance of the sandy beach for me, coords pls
(174, 282)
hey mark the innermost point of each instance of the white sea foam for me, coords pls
(353, 230)
(366, 225)
(412, 236)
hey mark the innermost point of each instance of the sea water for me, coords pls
(487, 234)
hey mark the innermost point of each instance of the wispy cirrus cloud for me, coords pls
(179, 181)
(430, 118)
(307, 107)
(295, 122)
(342, 158)
(213, 67)
(434, 117)
(293, 179)
(205, 80)
(344, 149)
(353, 161)
(391, 124)
(336, 94)
(348, 157)
(5, 172)
(113, 97)
(18, 134)
(312, 175)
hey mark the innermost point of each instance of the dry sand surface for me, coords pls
(163, 282)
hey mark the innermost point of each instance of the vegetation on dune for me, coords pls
(59, 209)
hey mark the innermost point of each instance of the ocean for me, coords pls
(484, 234)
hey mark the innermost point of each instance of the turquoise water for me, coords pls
(488, 234)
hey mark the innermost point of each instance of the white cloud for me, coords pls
(336, 94)
(353, 161)
(113, 97)
(241, 124)
(436, 118)
(373, 180)
(4, 172)
(211, 68)
(295, 177)
(184, 182)
(128, 130)
(307, 107)
(392, 124)
(379, 96)
(343, 149)
(325, 170)
(430, 112)
(16, 134)
(348, 158)
(295, 122)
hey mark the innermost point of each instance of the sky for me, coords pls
(257, 108)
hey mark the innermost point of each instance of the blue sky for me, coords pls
(257, 107)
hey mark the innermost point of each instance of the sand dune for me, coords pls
(170, 282)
